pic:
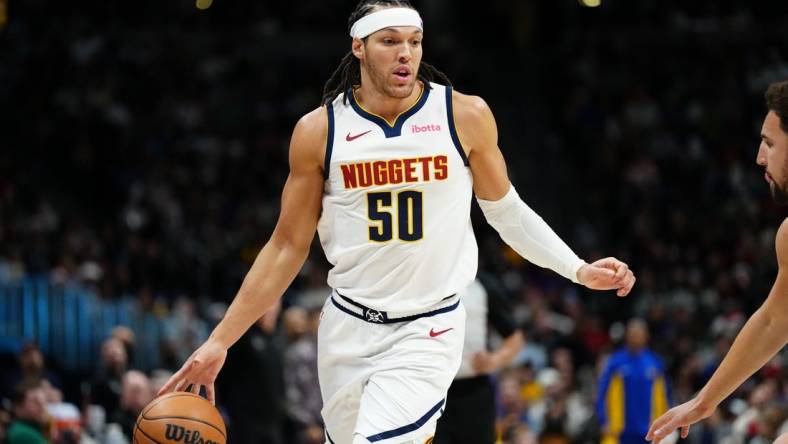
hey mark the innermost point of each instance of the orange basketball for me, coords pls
(179, 417)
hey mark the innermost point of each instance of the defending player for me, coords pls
(766, 332)
(385, 171)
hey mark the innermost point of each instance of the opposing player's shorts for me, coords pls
(384, 376)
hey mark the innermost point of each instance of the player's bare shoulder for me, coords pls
(777, 302)
(781, 245)
(466, 105)
(474, 121)
(308, 143)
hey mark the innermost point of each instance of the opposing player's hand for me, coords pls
(201, 369)
(681, 416)
(607, 274)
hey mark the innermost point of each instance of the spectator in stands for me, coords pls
(632, 389)
(136, 393)
(5, 420)
(567, 412)
(126, 337)
(513, 406)
(65, 417)
(31, 422)
(32, 367)
(256, 406)
(302, 390)
(108, 381)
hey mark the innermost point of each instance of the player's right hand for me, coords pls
(607, 274)
(201, 369)
(681, 416)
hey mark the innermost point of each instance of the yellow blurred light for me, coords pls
(204, 4)
(591, 3)
(3, 13)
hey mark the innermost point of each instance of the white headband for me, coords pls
(386, 18)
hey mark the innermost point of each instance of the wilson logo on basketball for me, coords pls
(176, 433)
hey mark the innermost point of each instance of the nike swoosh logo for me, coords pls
(434, 334)
(350, 138)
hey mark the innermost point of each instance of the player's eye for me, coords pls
(416, 42)
(388, 41)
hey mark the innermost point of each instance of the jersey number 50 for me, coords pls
(410, 225)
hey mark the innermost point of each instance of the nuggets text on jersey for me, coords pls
(395, 171)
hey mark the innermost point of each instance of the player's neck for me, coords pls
(377, 102)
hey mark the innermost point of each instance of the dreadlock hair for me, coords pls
(348, 73)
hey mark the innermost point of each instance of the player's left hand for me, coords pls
(681, 416)
(607, 274)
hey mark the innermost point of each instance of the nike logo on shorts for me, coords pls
(350, 138)
(435, 334)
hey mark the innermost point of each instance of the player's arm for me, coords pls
(519, 226)
(764, 334)
(276, 264)
(499, 317)
(485, 362)
(284, 254)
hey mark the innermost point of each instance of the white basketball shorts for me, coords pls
(384, 376)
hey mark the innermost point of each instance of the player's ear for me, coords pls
(358, 48)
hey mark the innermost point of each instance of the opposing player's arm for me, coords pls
(764, 334)
(277, 263)
(519, 226)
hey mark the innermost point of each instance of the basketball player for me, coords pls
(385, 172)
(766, 332)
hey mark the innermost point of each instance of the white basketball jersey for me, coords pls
(396, 206)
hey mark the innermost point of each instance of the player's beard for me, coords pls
(780, 192)
(381, 79)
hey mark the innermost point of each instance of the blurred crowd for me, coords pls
(144, 155)
(268, 406)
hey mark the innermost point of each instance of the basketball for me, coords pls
(180, 417)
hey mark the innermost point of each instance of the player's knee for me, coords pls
(782, 439)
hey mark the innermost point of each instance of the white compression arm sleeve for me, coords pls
(528, 234)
